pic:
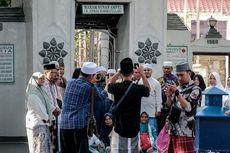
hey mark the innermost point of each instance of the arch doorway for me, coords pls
(205, 63)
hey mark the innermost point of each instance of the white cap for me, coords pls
(147, 66)
(168, 63)
(89, 68)
(111, 71)
(37, 75)
(102, 68)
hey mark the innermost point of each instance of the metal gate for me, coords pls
(88, 47)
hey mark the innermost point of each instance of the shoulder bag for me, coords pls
(114, 107)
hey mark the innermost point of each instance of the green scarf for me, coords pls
(34, 88)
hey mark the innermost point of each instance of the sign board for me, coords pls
(177, 54)
(6, 63)
(102, 9)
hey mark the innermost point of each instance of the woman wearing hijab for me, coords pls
(148, 135)
(38, 115)
(214, 81)
(199, 81)
(227, 90)
(106, 128)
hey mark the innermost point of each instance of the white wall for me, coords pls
(123, 36)
(180, 38)
(12, 95)
(201, 45)
(29, 36)
(53, 19)
(143, 19)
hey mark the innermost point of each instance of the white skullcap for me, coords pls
(37, 75)
(102, 68)
(168, 63)
(111, 71)
(147, 66)
(89, 68)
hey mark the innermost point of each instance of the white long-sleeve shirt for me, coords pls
(51, 90)
(36, 112)
(153, 103)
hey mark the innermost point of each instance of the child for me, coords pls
(95, 145)
(147, 135)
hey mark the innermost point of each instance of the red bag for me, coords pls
(145, 141)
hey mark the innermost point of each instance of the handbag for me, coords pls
(174, 113)
(163, 140)
(114, 107)
(145, 141)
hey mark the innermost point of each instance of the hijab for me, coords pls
(227, 88)
(218, 80)
(201, 81)
(144, 126)
(34, 88)
(106, 130)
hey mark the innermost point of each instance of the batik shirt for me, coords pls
(186, 123)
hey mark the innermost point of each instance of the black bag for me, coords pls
(59, 102)
(174, 113)
(92, 124)
(114, 107)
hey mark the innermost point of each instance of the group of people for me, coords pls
(101, 111)
(44, 96)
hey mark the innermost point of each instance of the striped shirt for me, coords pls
(50, 89)
(75, 109)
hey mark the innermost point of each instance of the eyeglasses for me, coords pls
(144, 116)
(147, 69)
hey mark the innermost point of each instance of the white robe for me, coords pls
(153, 103)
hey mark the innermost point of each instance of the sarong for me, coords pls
(39, 139)
(121, 144)
(182, 144)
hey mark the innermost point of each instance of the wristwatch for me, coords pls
(177, 93)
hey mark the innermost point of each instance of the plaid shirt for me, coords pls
(75, 109)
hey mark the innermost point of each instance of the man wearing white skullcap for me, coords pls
(152, 104)
(75, 109)
(111, 71)
(165, 80)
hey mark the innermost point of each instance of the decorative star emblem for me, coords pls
(147, 52)
(53, 51)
